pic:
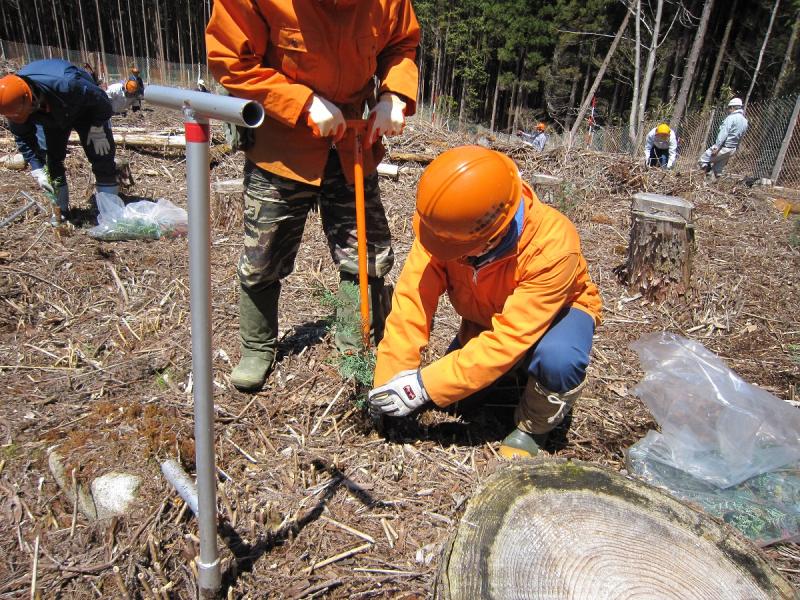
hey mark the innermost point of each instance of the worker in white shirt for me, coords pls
(661, 147)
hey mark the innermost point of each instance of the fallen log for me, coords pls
(557, 529)
(235, 186)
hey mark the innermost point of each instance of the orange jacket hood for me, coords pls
(506, 306)
(280, 52)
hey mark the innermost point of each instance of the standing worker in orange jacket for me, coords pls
(513, 269)
(311, 65)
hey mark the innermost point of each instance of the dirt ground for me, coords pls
(95, 360)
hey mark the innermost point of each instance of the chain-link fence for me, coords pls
(770, 126)
(109, 67)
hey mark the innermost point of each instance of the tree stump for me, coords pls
(548, 188)
(661, 247)
(553, 529)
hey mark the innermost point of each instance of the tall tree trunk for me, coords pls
(691, 64)
(677, 66)
(145, 30)
(83, 34)
(633, 118)
(648, 76)
(102, 66)
(588, 71)
(598, 78)
(786, 66)
(761, 53)
(462, 109)
(496, 95)
(712, 84)
(612, 109)
(122, 33)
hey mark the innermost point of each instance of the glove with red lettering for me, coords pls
(404, 394)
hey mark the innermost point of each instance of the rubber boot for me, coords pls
(347, 334)
(258, 333)
(538, 413)
(60, 199)
(104, 188)
(521, 444)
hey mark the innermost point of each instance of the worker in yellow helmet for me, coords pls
(661, 147)
(513, 270)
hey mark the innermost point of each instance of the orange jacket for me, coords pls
(279, 52)
(506, 305)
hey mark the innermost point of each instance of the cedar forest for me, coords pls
(505, 63)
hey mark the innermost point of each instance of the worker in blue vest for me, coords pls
(55, 96)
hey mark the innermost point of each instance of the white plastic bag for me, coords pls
(138, 220)
(714, 425)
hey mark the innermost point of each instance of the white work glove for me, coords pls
(40, 175)
(400, 397)
(325, 119)
(97, 138)
(387, 117)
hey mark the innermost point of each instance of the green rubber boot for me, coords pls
(258, 333)
(520, 444)
(347, 334)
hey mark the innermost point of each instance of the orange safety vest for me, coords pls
(279, 52)
(506, 305)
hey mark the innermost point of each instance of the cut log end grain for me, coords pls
(568, 530)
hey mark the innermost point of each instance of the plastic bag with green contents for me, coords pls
(140, 220)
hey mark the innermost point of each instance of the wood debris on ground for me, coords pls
(95, 360)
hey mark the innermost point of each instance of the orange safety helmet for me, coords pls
(541, 127)
(132, 86)
(16, 98)
(467, 196)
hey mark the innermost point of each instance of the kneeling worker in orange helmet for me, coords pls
(513, 270)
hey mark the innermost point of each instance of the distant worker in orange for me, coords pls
(312, 65)
(537, 140)
(513, 270)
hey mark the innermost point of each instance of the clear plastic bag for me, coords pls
(714, 425)
(765, 508)
(139, 220)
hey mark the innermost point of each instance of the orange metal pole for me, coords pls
(359, 128)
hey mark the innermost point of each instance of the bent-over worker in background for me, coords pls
(730, 135)
(311, 65)
(56, 97)
(537, 140)
(513, 270)
(124, 95)
(661, 147)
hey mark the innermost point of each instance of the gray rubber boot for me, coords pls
(258, 334)
(347, 334)
(60, 199)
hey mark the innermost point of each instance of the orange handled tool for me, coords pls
(359, 127)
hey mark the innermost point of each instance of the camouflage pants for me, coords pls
(275, 210)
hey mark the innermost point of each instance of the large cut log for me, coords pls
(553, 529)
(661, 247)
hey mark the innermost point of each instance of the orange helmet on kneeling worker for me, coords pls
(16, 98)
(466, 197)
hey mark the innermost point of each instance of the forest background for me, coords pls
(503, 64)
